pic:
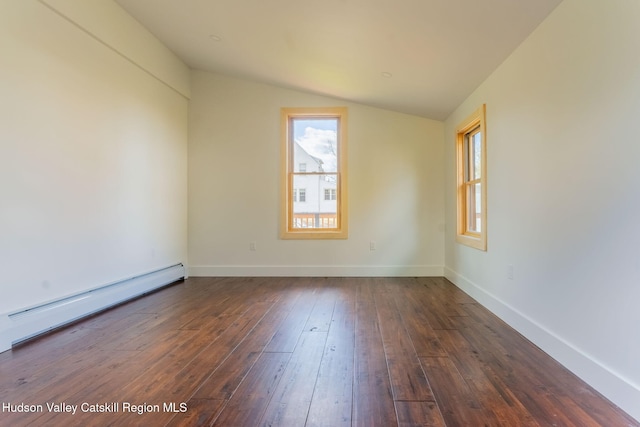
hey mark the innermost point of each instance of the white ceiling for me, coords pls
(438, 51)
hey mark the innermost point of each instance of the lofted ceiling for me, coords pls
(421, 57)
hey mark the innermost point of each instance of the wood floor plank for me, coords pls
(373, 399)
(424, 339)
(419, 414)
(490, 391)
(444, 290)
(437, 314)
(529, 373)
(228, 375)
(289, 405)
(29, 366)
(200, 412)
(456, 400)
(28, 361)
(37, 375)
(526, 385)
(322, 312)
(248, 403)
(100, 382)
(286, 338)
(175, 382)
(408, 381)
(75, 375)
(333, 394)
(300, 351)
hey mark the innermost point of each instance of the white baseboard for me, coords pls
(20, 325)
(619, 390)
(316, 270)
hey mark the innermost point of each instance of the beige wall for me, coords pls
(395, 187)
(563, 182)
(94, 156)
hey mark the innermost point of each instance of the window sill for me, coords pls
(476, 242)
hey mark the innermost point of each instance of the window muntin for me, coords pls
(471, 166)
(315, 137)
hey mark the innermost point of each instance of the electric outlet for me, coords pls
(252, 246)
(510, 272)
(372, 245)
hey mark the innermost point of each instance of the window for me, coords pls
(317, 139)
(471, 159)
(329, 193)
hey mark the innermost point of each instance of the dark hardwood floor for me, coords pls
(296, 352)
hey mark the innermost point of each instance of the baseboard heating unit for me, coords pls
(21, 325)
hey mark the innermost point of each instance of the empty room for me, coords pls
(338, 213)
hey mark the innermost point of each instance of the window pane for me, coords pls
(315, 143)
(474, 204)
(477, 154)
(315, 211)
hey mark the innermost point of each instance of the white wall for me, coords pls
(395, 187)
(563, 193)
(94, 152)
(108, 22)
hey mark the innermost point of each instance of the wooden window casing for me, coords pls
(471, 162)
(319, 224)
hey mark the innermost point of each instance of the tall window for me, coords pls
(317, 139)
(471, 162)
